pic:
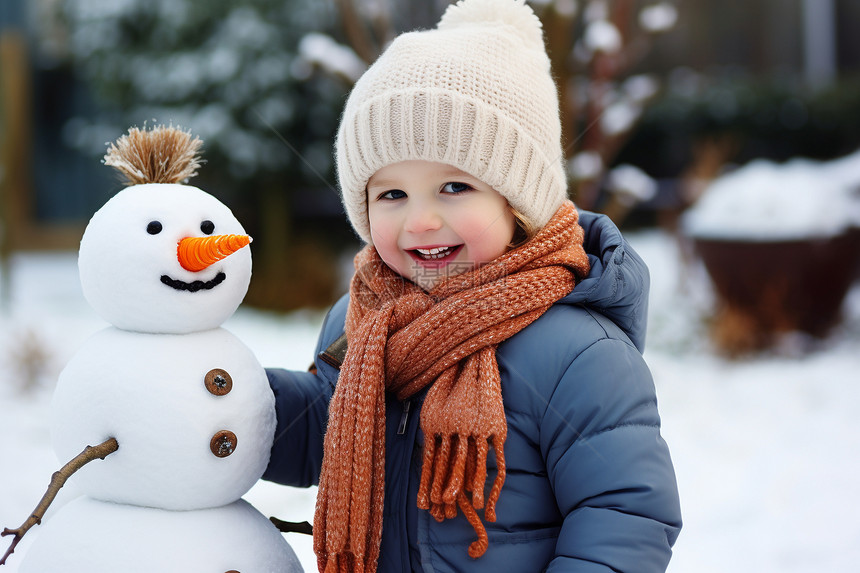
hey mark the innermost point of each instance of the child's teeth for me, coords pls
(434, 253)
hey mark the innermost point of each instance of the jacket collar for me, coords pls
(618, 283)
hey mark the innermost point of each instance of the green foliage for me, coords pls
(227, 70)
(768, 118)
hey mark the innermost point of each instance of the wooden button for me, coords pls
(223, 443)
(218, 382)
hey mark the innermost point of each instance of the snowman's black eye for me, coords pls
(208, 227)
(154, 227)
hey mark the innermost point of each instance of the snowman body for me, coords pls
(92, 536)
(193, 415)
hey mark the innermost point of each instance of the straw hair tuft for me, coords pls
(163, 154)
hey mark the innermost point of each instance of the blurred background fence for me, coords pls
(659, 97)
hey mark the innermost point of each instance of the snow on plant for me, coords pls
(337, 59)
(567, 8)
(767, 201)
(585, 165)
(594, 49)
(641, 87)
(603, 36)
(630, 184)
(627, 185)
(620, 117)
(659, 17)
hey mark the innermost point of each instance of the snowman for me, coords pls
(175, 411)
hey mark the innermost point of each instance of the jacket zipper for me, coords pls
(404, 417)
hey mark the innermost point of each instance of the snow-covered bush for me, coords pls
(596, 47)
(769, 201)
(231, 72)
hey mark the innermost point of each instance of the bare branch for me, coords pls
(559, 42)
(58, 480)
(357, 33)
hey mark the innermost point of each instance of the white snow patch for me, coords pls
(566, 8)
(760, 446)
(641, 87)
(659, 17)
(620, 117)
(764, 200)
(602, 36)
(333, 57)
(596, 10)
(630, 184)
(585, 165)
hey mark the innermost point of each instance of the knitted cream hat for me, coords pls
(475, 93)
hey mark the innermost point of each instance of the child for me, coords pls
(479, 401)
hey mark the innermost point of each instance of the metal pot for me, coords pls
(772, 287)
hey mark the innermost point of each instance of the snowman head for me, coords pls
(161, 256)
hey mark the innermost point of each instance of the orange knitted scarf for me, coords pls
(401, 339)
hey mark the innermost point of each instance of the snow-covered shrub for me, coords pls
(229, 71)
(768, 201)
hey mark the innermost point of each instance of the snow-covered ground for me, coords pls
(766, 449)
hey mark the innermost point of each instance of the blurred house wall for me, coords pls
(762, 36)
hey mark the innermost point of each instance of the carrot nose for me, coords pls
(197, 253)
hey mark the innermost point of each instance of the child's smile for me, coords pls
(430, 221)
(435, 253)
(435, 257)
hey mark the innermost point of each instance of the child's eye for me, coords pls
(393, 194)
(455, 187)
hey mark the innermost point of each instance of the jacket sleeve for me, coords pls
(301, 408)
(609, 466)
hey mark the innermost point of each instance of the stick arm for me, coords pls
(58, 480)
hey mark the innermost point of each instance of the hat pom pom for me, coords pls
(514, 13)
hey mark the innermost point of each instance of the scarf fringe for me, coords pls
(341, 563)
(453, 474)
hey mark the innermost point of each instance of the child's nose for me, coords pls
(422, 218)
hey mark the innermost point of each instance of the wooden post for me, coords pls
(15, 146)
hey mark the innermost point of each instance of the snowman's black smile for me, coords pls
(193, 286)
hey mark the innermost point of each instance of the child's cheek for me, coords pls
(485, 234)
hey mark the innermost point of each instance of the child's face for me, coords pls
(430, 221)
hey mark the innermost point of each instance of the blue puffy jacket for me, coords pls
(590, 485)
